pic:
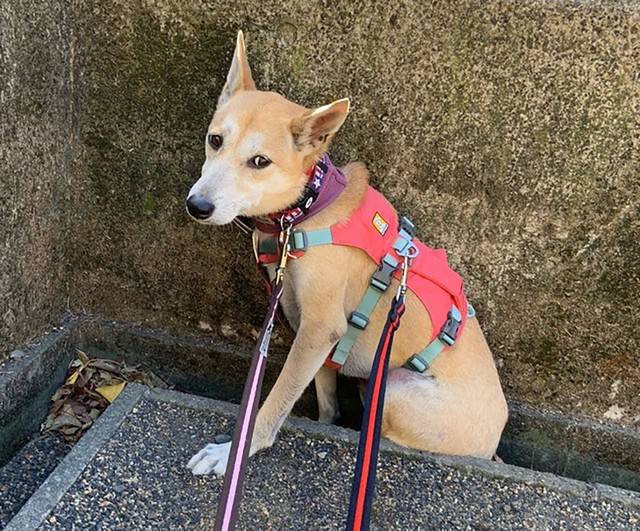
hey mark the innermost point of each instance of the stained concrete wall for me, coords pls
(507, 130)
(37, 109)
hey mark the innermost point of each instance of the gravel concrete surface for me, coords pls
(22, 476)
(138, 480)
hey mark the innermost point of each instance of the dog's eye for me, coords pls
(215, 141)
(258, 162)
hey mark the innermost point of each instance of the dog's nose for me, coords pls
(199, 207)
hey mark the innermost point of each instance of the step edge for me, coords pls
(41, 503)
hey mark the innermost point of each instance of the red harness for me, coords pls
(374, 227)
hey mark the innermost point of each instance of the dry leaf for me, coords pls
(91, 385)
(65, 420)
(107, 365)
(111, 392)
(72, 379)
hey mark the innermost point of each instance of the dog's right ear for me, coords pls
(239, 76)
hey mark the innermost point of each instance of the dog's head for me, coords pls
(258, 147)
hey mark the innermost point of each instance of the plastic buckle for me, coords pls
(404, 242)
(359, 320)
(407, 226)
(415, 363)
(381, 278)
(296, 244)
(449, 331)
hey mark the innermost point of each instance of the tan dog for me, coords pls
(259, 146)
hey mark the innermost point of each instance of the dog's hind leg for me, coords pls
(424, 413)
(326, 391)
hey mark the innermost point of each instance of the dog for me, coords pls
(260, 150)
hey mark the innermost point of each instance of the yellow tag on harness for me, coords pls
(380, 224)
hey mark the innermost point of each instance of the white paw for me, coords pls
(212, 458)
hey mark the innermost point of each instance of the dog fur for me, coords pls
(457, 406)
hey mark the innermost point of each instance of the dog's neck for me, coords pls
(326, 182)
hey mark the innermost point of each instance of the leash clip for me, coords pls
(285, 235)
(402, 287)
(408, 253)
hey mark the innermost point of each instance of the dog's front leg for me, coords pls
(308, 352)
(307, 355)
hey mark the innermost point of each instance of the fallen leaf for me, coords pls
(57, 405)
(90, 386)
(92, 393)
(111, 392)
(72, 379)
(107, 365)
(78, 408)
(62, 421)
(71, 431)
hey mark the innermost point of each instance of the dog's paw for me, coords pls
(212, 458)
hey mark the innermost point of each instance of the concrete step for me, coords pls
(128, 473)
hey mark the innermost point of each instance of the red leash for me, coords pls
(362, 490)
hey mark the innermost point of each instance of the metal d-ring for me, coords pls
(410, 251)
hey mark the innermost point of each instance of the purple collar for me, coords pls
(326, 182)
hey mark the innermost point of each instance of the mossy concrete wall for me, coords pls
(507, 130)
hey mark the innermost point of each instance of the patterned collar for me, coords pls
(326, 182)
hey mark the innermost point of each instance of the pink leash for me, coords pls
(232, 487)
(229, 503)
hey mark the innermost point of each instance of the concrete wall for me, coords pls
(507, 130)
(37, 147)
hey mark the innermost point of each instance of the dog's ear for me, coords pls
(316, 127)
(239, 76)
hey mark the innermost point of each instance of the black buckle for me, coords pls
(381, 278)
(449, 331)
(359, 320)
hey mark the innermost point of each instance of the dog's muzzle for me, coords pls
(199, 207)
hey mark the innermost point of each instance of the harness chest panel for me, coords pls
(373, 227)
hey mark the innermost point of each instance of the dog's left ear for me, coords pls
(316, 127)
(239, 76)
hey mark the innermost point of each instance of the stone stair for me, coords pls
(128, 473)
